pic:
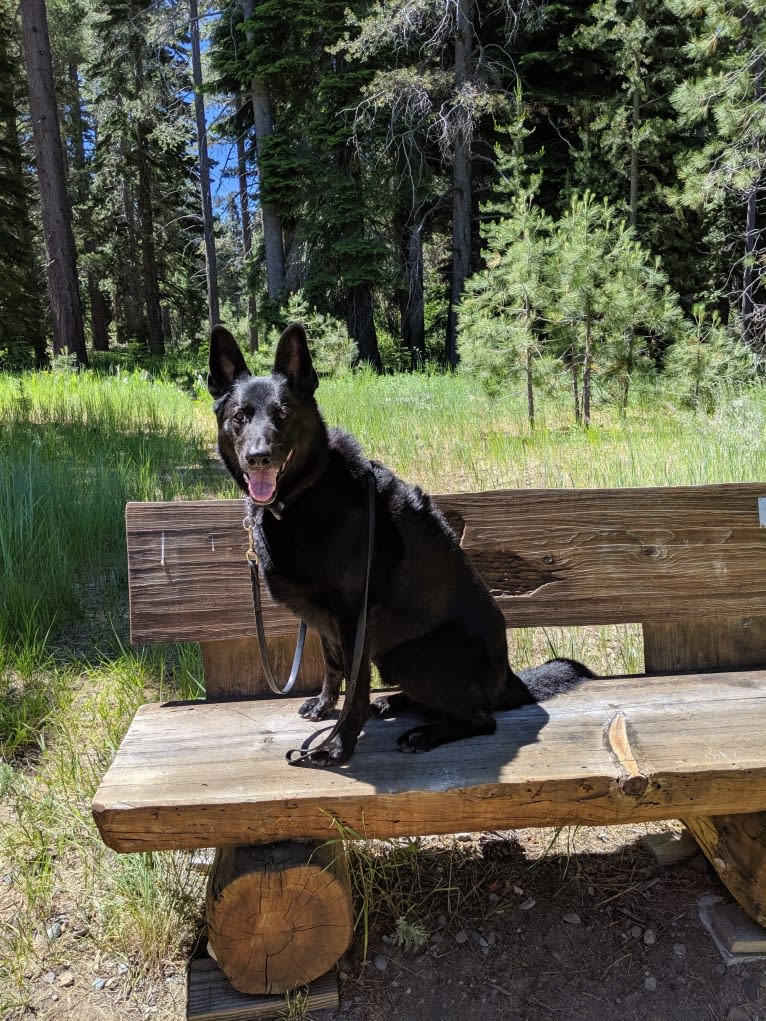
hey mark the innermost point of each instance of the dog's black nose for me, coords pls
(258, 459)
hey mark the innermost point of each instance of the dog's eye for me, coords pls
(283, 413)
(238, 417)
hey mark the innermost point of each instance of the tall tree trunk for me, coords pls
(208, 226)
(263, 119)
(587, 370)
(634, 135)
(247, 238)
(129, 301)
(156, 338)
(635, 127)
(54, 203)
(361, 324)
(528, 358)
(461, 180)
(30, 307)
(96, 300)
(750, 274)
(151, 278)
(528, 363)
(413, 310)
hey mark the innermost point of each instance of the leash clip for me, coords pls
(250, 555)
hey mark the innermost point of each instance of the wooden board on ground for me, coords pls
(736, 930)
(198, 774)
(211, 997)
(670, 848)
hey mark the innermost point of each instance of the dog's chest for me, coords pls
(300, 567)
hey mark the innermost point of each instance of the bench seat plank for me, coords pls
(200, 774)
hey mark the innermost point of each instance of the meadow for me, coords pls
(73, 449)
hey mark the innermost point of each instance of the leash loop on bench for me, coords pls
(255, 585)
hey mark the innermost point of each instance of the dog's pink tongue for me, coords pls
(262, 485)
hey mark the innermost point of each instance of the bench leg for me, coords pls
(233, 666)
(735, 844)
(279, 915)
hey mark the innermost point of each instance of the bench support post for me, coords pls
(233, 666)
(734, 844)
(279, 915)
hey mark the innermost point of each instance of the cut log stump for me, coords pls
(279, 915)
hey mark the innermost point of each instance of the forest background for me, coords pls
(567, 193)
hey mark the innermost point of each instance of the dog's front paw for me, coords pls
(333, 753)
(317, 708)
(419, 739)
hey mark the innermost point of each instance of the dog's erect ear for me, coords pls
(293, 359)
(226, 362)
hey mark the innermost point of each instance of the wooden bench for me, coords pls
(686, 740)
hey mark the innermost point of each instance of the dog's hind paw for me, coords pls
(389, 705)
(317, 708)
(419, 739)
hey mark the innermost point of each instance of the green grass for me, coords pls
(73, 450)
(444, 433)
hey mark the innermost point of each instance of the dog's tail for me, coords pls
(538, 683)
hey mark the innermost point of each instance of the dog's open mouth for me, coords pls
(262, 483)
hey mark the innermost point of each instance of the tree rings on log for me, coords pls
(279, 915)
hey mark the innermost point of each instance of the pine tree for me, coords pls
(22, 333)
(208, 226)
(727, 103)
(144, 190)
(63, 287)
(706, 357)
(610, 294)
(502, 313)
(448, 82)
(309, 174)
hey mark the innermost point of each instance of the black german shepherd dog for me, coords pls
(433, 629)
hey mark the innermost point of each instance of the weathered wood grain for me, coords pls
(736, 845)
(734, 644)
(550, 557)
(202, 774)
(279, 916)
(233, 668)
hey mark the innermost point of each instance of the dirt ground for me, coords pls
(518, 926)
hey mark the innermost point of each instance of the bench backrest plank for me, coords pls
(550, 557)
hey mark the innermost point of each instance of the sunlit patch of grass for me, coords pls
(442, 432)
(609, 650)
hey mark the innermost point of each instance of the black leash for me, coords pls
(255, 585)
(297, 755)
